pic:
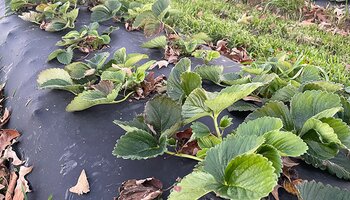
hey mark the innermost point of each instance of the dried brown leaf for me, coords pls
(10, 154)
(275, 192)
(5, 117)
(6, 138)
(184, 145)
(22, 186)
(82, 186)
(290, 186)
(145, 189)
(150, 85)
(11, 186)
(160, 64)
(288, 162)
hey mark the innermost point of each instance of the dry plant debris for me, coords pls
(82, 186)
(13, 185)
(144, 189)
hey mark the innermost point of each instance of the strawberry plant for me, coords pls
(86, 40)
(206, 55)
(153, 19)
(105, 11)
(313, 117)
(96, 81)
(175, 46)
(282, 80)
(51, 16)
(253, 150)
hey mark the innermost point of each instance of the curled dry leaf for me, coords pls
(22, 186)
(290, 186)
(145, 189)
(172, 54)
(10, 154)
(253, 98)
(160, 64)
(6, 138)
(151, 85)
(288, 162)
(275, 192)
(82, 185)
(318, 15)
(238, 54)
(5, 117)
(11, 186)
(184, 145)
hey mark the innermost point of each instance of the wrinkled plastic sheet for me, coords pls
(60, 144)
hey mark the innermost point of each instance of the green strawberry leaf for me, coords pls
(163, 114)
(199, 130)
(219, 157)
(313, 104)
(98, 60)
(137, 123)
(274, 109)
(66, 56)
(284, 94)
(272, 154)
(56, 78)
(156, 43)
(248, 176)
(212, 73)
(160, 6)
(194, 106)
(340, 128)
(322, 85)
(259, 126)
(79, 70)
(115, 76)
(287, 143)
(174, 88)
(193, 186)
(103, 93)
(226, 97)
(339, 165)
(313, 190)
(139, 144)
(190, 81)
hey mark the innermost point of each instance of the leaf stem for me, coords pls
(171, 28)
(184, 156)
(123, 99)
(217, 130)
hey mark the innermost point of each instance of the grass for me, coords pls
(267, 34)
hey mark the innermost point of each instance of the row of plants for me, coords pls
(310, 126)
(296, 111)
(265, 34)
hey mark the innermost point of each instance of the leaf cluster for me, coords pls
(313, 116)
(97, 81)
(87, 40)
(176, 46)
(153, 19)
(51, 16)
(254, 149)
